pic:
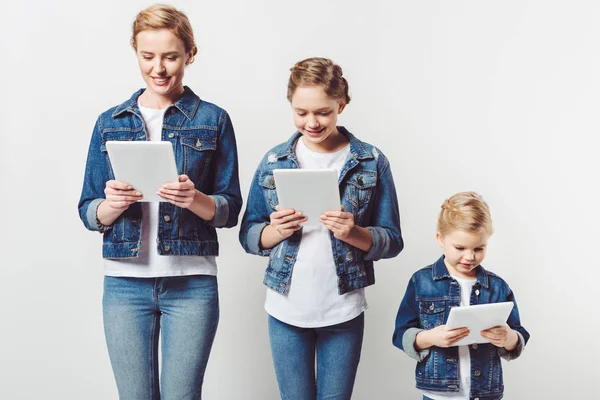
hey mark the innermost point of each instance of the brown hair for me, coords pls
(322, 72)
(465, 211)
(163, 16)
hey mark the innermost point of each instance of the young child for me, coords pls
(317, 274)
(452, 372)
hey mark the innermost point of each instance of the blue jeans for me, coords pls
(337, 349)
(184, 309)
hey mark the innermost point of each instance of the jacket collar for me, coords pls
(357, 148)
(440, 272)
(188, 104)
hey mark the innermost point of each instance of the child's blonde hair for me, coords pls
(465, 211)
(163, 16)
(322, 72)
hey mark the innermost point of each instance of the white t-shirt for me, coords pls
(149, 263)
(464, 357)
(312, 299)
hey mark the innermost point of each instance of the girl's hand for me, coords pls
(120, 195)
(286, 221)
(180, 193)
(502, 336)
(440, 337)
(339, 222)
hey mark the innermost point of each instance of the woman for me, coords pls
(160, 268)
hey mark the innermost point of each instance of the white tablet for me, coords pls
(144, 165)
(311, 191)
(478, 318)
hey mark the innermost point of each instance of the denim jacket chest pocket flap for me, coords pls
(359, 187)
(267, 182)
(432, 313)
(198, 148)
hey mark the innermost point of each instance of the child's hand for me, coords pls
(439, 337)
(286, 221)
(502, 336)
(338, 222)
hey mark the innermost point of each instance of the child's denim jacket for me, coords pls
(430, 294)
(205, 149)
(366, 190)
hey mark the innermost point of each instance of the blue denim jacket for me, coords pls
(430, 294)
(367, 190)
(204, 145)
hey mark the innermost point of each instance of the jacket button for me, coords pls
(359, 180)
(173, 110)
(431, 307)
(167, 248)
(477, 292)
(477, 372)
(171, 135)
(167, 218)
(474, 346)
(476, 398)
(340, 260)
(271, 181)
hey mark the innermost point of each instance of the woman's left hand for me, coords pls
(502, 336)
(180, 193)
(339, 222)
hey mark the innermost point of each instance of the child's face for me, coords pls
(315, 115)
(464, 251)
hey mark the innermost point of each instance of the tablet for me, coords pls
(478, 318)
(311, 191)
(144, 165)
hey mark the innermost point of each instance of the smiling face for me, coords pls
(463, 251)
(315, 117)
(162, 60)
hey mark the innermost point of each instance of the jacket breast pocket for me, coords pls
(359, 189)
(267, 182)
(432, 313)
(197, 156)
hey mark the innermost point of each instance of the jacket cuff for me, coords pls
(253, 240)
(91, 216)
(380, 239)
(511, 355)
(408, 344)
(221, 211)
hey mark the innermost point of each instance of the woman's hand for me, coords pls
(439, 337)
(339, 222)
(502, 336)
(286, 221)
(120, 195)
(180, 193)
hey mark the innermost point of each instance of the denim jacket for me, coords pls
(204, 145)
(367, 191)
(430, 294)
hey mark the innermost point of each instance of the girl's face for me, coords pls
(315, 116)
(162, 59)
(464, 251)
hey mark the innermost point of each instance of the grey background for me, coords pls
(500, 97)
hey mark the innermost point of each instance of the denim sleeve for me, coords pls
(256, 217)
(514, 322)
(226, 185)
(385, 217)
(407, 325)
(94, 180)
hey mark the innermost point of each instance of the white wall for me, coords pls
(498, 97)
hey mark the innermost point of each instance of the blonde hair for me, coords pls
(322, 72)
(163, 16)
(465, 211)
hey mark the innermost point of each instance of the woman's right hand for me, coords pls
(120, 195)
(439, 337)
(283, 224)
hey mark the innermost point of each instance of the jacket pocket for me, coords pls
(197, 156)
(359, 189)
(267, 182)
(432, 313)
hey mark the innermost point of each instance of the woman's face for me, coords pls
(162, 59)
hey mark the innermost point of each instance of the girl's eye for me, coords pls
(479, 249)
(459, 248)
(326, 113)
(171, 58)
(301, 114)
(147, 58)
